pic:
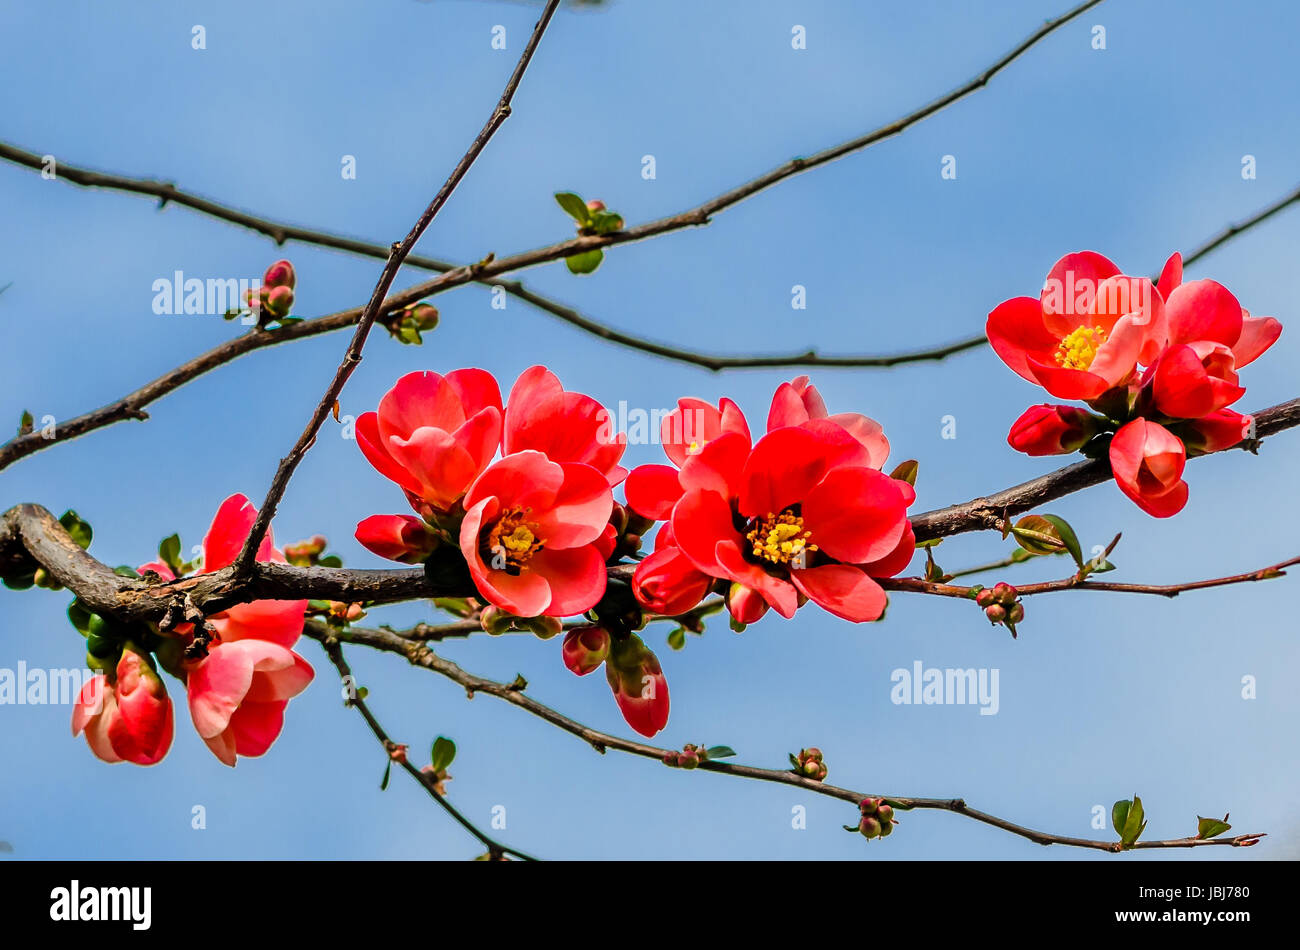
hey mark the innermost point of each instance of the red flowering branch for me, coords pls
(397, 255)
(419, 654)
(397, 752)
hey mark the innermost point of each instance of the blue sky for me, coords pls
(1134, 151)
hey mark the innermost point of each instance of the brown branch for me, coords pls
(247, 557)
(496, 850)
(30, 536)
(281, 232)
(991, 511)
(919, 585)
(420, 655)
(132, 405)
(700, 215)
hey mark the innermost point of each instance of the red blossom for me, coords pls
(530, 532)
(433, 435)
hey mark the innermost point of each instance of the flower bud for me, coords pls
(494, 620)
(639, 686)
(1016, 613)
(280, 274)
(745, 604)
(688, 760)
(396, 537)
(869, 828)
(595, 205)
(585, 648)
(996, 613)
(986, 597)
(869, 806)
(1053, 430)
(885, 813)
(423, 316)
(544, 627)
(278, 301)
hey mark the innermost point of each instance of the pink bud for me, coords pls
(585, 649)
(745, 604)
(279, 301)
(279, 274)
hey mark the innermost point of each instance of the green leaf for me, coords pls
(1037, 535)
(330, 560)
(1127, 819)
(794, 761)
(906, 471)
(409, 334)
(169, 552)
(1211, 827)
(586, 262)
(677, 638)
(1068, 537)
(80, 530)
(1020, 555)
(388, 771)
(26, 423)
(444, 752)
(719, 751)
(126, 570)
(574, 207)
(457, 606)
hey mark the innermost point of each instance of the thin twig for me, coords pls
(420, 655)
(919, 585)
(247, 557)
(335, 653)
(279, 232)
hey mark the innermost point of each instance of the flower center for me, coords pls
(512, 541)
(1079, 348)
(779, 539)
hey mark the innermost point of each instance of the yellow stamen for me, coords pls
(513, 540)
(1079, 348)
(780, 539)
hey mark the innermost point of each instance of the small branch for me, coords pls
(991, 511)
(919, 585)
(420, 655)
(132, 405)
(495, 849)
(352, 357)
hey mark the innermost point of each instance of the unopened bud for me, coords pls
(870, 828)
(280, 274)
(278, 301)
(494, 620)
(996, 613)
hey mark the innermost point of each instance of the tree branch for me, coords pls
(31, 536)
(991, 511)
(280, 232)
(420, 655)
(247, 557)
(496, 850)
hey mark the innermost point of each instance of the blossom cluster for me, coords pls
(239, 670)
(1156, 363)
(519, 494)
